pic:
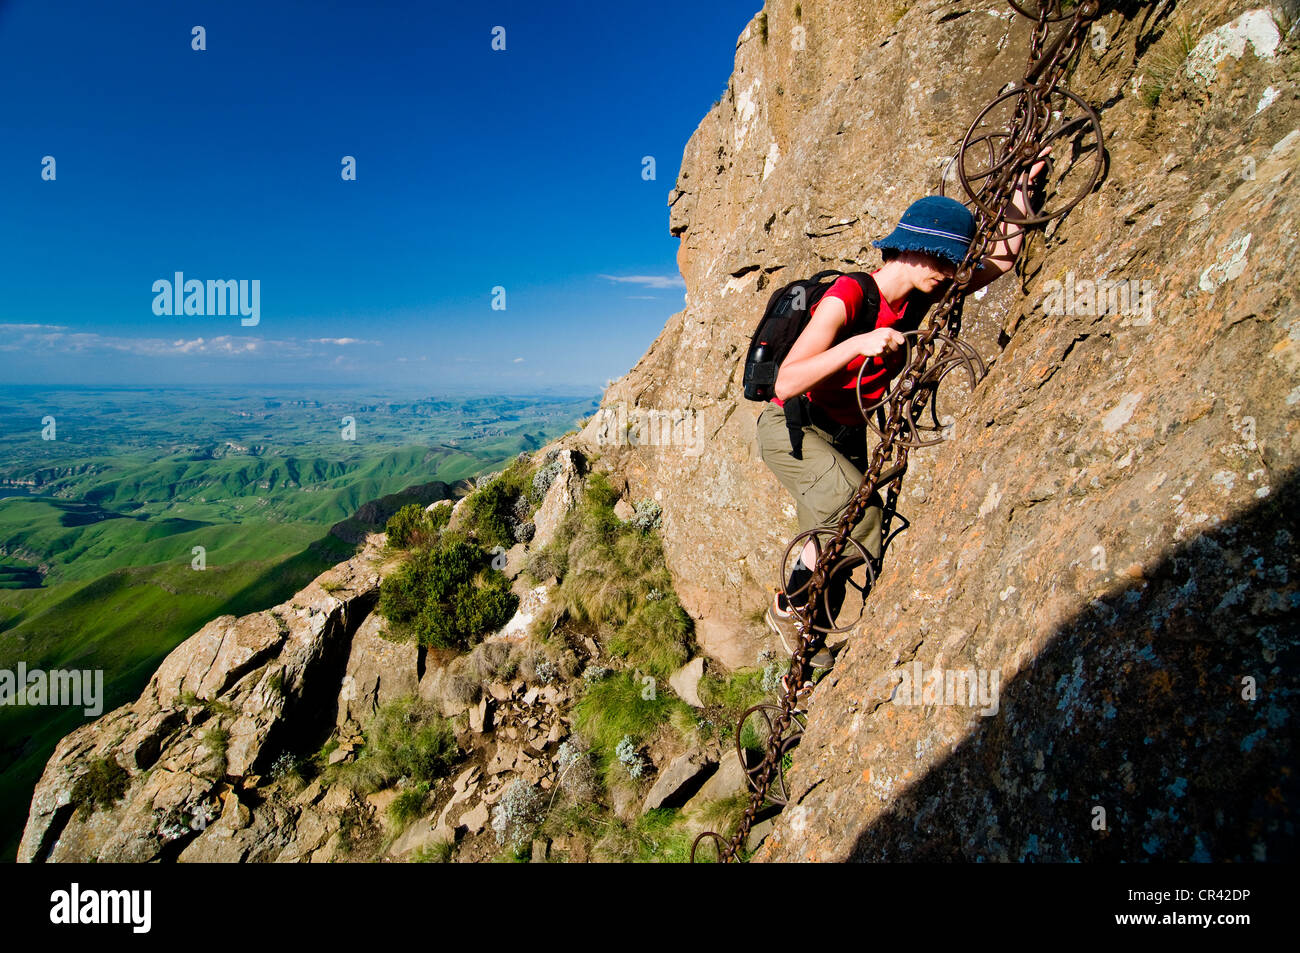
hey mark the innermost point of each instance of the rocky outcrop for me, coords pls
(565, 469)
(1082, 645)
(1108, 531)
(221, 707)
(209, 754)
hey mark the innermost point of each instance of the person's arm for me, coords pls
(1002, 256)
(812, 359)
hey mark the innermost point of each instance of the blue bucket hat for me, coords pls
(935, 224)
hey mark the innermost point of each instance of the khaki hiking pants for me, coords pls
(823, 482)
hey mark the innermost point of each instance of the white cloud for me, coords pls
(649, 281)
(37, 338)
(33, 327)
(518, 360)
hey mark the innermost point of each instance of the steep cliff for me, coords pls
(1109, 530)
(1106, 541)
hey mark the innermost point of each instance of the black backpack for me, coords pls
(784, 319)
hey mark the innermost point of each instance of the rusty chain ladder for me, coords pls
(993, 162)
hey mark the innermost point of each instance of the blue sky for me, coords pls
(475, 169)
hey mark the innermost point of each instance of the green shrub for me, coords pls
(734, 694)
(102, 786)
(440, 516)
(490, 510)
(409, 526)
(655, 638)
(616, 708)
(447, 596)
(406, 739)
(216, 739)
(613, 574)
(656, 837)
(437, 852)
(408, 805)
(724, 815)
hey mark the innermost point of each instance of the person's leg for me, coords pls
(796, 475)
(823, 484)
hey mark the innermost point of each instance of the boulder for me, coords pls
(685, 682)
(476, 818)
(679, 781)
(504, 759)
(560, 498)
(531, 603)
(378, 671)
(480, 720)
(726, 782)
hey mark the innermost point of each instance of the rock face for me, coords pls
(378, 671)
(560, 496)
(1083, 645)
(266, 678)
(1109, 530)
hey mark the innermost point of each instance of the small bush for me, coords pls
(517, 815)
(537, 667)
(408, 805)
(440, 515)
(491, 514)
(654, 638)
(489, 660)
(406, 739)
(448, 596)
(613, 574)
(463, 688)
(216, 739)
(575, 770)
(647, 515)
(102, 786)
(410, 526)
(615, 708)
(545, 476)
(738, 691)
(632, 759)
(656, 837)
(438, 852)
(724, 815)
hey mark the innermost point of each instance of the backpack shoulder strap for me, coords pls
(870, 297)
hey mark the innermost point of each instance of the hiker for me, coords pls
(815, 404)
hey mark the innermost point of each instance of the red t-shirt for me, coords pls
(834, 395)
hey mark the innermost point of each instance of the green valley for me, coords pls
(130, 518)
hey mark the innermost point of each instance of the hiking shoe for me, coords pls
(781, 621)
